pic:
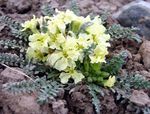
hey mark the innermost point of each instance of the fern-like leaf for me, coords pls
(114, 65)
(146, 110)
(22, 35)
(11, 59)
(117, 31)
(74, 7)
(46, 90)
(47, 10)
(104, 16)
(26, 86)
(10, 22)
(136, 81)
(15, 28)
(11, 44)
(93, 90)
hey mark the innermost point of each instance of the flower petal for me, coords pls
(61, 64)
(64, 77)
(110, 82)
(77, 77)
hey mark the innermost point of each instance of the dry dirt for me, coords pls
(78, 102)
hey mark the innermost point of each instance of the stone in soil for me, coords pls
(59, 107)
(145, 74)
(140, 98)
(19, 6)
(136, 14)
(8, 75)
(18, 104)
(145, 53)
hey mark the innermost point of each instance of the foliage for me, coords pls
(11, 59)
(10, 44)
(136, 82)
(46, 90)
(94, 90)
(64, 42)
(94, 74)
(47, 10)
(117, 31)
(74, 7)
(104, 16)
(23, 36)
(10, 22)
(146, 110)
(113, 65)
(15, 27)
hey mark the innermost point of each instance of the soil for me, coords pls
(78, 101)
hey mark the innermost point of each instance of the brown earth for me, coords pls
(78, 101)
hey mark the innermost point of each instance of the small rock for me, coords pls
(145, 74)
(135, 14)
(140, 98)
(138, 66)
(8, 75)
(22, 104)
(85, 3)
(145, 53)
(54, 3)
(95, 9)
(21, 6)
(79, 100)
(59, 107)
(105, 5)
(108, 104)
(18, 104)
(123, 72)
(137, 58)
(2, 2)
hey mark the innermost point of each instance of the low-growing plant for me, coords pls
(117, 31)
(69, 44)
(60, 47)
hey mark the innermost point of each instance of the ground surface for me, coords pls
(78, 102)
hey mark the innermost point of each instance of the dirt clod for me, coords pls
(21, 6)
(140, 98)
(145, 53)
(59, 107)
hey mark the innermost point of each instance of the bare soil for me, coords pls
(78, 102)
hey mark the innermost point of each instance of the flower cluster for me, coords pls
(63, 40)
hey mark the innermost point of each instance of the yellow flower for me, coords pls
(38, 37)
(69, 16)
(32, 25)
(110, 82)
(105, 37)
(36, 54)
(65, 76)
(39, 42)
(96, 28)
(84, 41)
(99, 54)
(70, 49)
(52, 28)
(64, 43)
(59, 61)
(56, 41)
(43, 19)
(60, 25)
